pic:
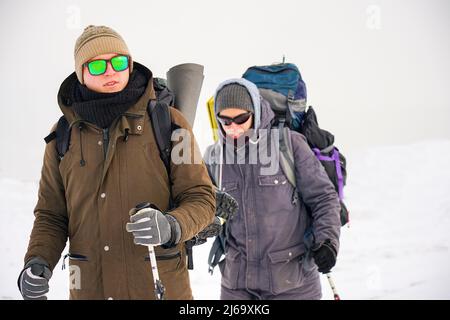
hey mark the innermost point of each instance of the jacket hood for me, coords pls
(263, 114)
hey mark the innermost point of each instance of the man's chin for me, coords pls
(233, 136)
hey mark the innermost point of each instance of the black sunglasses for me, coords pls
(240, 119)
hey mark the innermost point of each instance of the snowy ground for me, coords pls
(397, 246)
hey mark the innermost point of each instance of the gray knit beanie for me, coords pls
(234, 95)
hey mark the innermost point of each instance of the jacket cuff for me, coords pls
(36, 260)
(175, 230)
(328, 242)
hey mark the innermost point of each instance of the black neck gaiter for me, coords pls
(102, 109)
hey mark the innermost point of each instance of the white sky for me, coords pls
(376, 71)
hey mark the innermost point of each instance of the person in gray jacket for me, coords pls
(281, 237)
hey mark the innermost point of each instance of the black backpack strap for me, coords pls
(162, 128)
(287, 161)
(216, 252)
(62, 136)
(50, 137)
(190, 259)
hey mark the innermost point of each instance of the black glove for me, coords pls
(226, 205)
(226, 208)
(211, 230)
(325, 256)
(33, 280)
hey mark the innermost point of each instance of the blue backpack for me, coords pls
(283, 87)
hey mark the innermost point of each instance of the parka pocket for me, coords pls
(230, 270)
(165, 256)
(273, 181)
(285, 267)
(73, 257)
(77, 257)
(229, 187)
(167, 262)
(276, 193)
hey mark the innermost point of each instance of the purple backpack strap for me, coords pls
(334, 157)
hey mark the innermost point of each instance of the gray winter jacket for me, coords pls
(266, 249)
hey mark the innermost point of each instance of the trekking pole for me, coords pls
(159, 288)
(333, 287)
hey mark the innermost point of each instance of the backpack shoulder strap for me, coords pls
(216, 252)
(162, 128)
(62, 136)
(287, 155)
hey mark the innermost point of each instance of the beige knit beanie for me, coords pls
(97, 40)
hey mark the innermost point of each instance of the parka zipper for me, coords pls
(105, 141)
(82, 161)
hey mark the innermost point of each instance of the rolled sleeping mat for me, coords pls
(185, 81)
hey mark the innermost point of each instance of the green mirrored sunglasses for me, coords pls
(98, 67)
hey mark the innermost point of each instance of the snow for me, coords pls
(397, 245)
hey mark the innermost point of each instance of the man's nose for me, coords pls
(109, 69)
(229, 128)
(234, 126)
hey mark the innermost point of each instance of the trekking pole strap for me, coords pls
(190, 260)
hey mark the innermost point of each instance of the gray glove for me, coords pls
(151, 227)
(33, 280)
